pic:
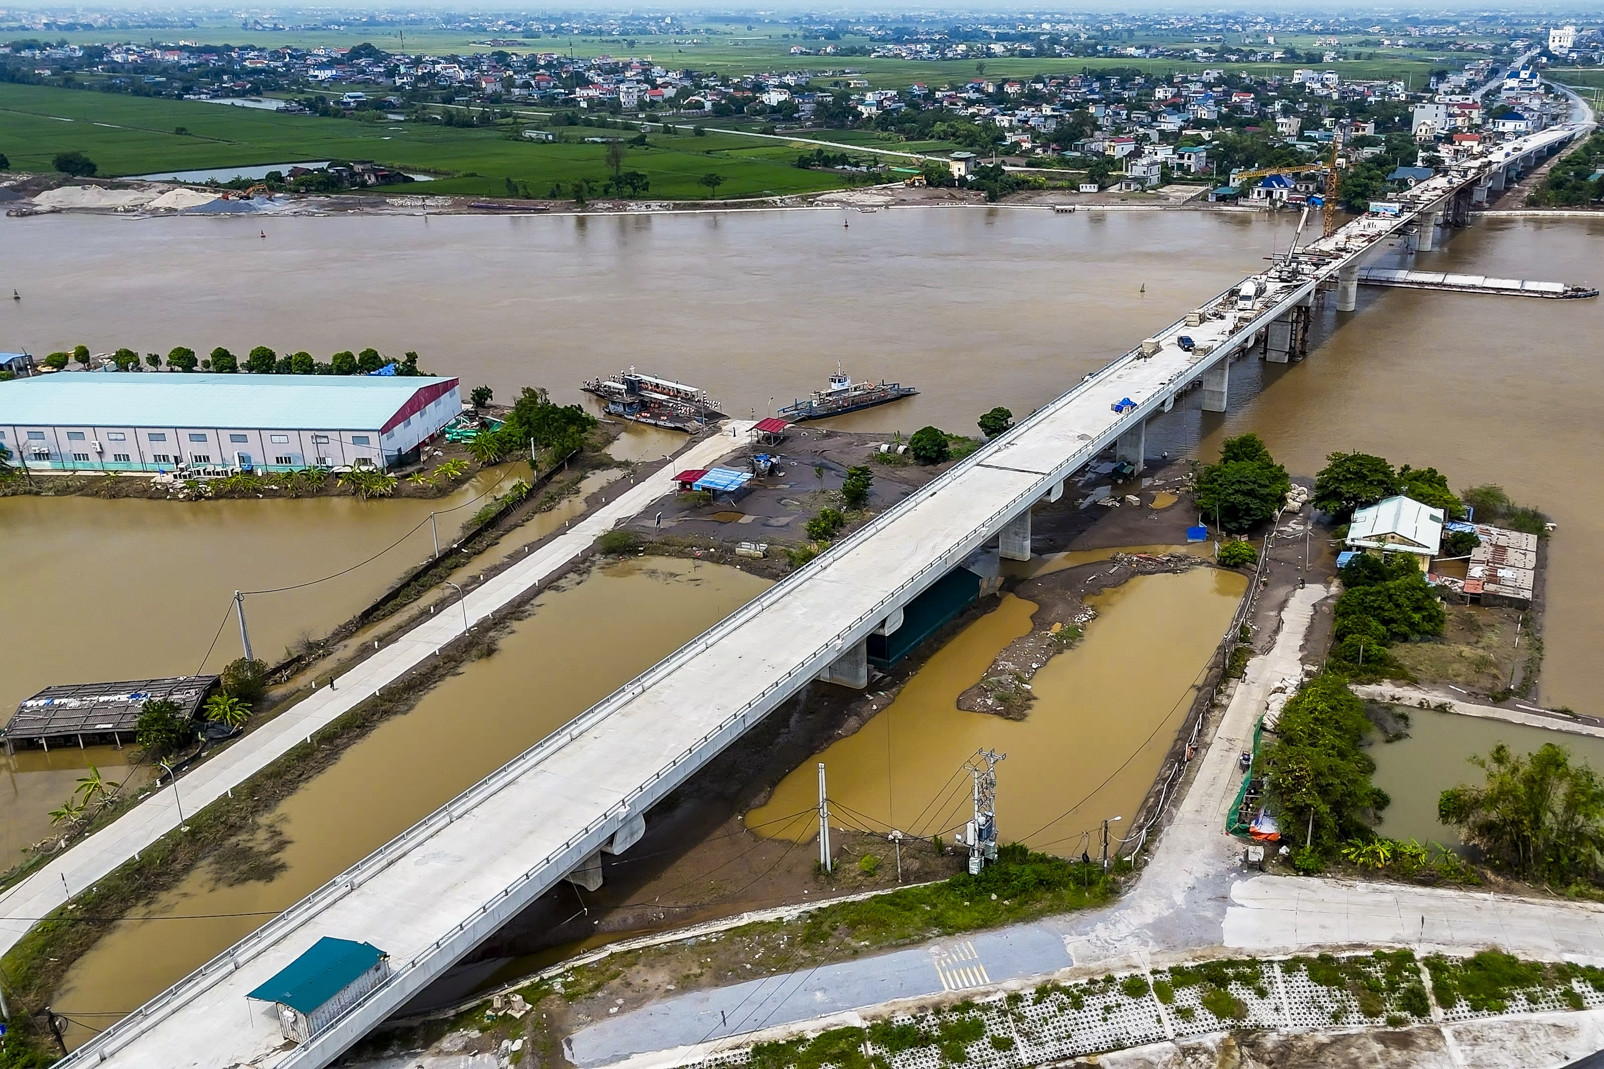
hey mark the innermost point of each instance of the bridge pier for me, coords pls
(851, 669)
(1348, 287)
(632, 832)
(1426, 231)
(1132, 446)
(1013, 541)
(1217, 385)
(1278, 339)
(589, 873)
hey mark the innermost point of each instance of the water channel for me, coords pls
(410, 765)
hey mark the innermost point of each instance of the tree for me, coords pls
(94, 787)
(929, 445)
(1407, 608)
(81, 354)
(224, 362)
(162, 728)
(261, 361)
(1430, 487)
(301, 363)
(1538, 814)
(1238, 554)
(343, 363)
(712, 180)
(74, 163)
(1245, 488)
(1459, 543)
(368, 361)
(5, 164)
(153, 359)
(481, 396)
(996, 421)
(57, 361)
(1318, 774)
(1351, 481)
(125, 359)
(226, 709)
(615, 156)
(1245, 447)
(824, 526)
(855, 487)
(183, 359)
(245, 680)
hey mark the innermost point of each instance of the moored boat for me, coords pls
(842, 396)
(654, 401)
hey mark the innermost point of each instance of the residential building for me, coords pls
(1398, 524)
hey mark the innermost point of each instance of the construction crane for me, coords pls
(1330, 205)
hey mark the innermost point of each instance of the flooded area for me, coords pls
(566, 656)
(1105, 714)
(1415, 771)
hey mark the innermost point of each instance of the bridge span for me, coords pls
(432, 894)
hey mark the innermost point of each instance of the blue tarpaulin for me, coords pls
(1345, 556)
(1197, 534)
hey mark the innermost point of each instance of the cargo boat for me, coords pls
(842, 396)
(656, 402)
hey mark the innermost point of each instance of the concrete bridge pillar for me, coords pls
(1499, 178)
(1216, 385)
(589, 873)
(891, 623)
(1013, 541)
(1132, 446)
(1348, 287)
(632, 831)
(1426, 231)
(1278, 340)
(851, 669)
(1056, 492)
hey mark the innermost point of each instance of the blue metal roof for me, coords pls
(721, 480)
(175, 399)
(318, 975)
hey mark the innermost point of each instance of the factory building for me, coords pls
(211, 424)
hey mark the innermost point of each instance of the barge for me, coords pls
(655, 402)
(843, 396)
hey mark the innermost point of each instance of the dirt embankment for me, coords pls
(1056, 625)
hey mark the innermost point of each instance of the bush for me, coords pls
(1317, 770)
(929, 445)
(74, 163)
(618, 541)
(824, 526)
(1238, 554)
(855, 488)
(1408, 608)
(995, 422)
(162, 729)
(245, 680)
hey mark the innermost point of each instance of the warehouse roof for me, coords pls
(175, 399)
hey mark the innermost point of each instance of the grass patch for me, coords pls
(1490, 981)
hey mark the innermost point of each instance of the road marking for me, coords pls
(959, 966)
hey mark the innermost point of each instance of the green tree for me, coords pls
(1540, 815)
(1430, 487)
(5, 164)
(261, 361)
(343, 363)
(162, 728)
(81, 354)
(1247, 486)
(855, 487)
(224, 362)
(369, 361)
(929, 445)
(824, 526)
(996, 421)
(226, 709)
(302, 363)
(57, 361)
(1245, 448)
(245, 680)
(1238, 554)
(481, 396)
(153, 359)
(1352, 481)
(74, 163)
(125, 359)
(183, 359)
(1318, 774)
(712, 180)
(1407, 608)
(94, 787)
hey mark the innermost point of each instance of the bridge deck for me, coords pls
(435, 892)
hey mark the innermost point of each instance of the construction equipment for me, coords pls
(1330, 206)
(254, 190)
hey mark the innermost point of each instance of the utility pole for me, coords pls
(244, 636)
(1106, 823)
(435, 531)
(982, 831)
(824, 824)
(896, 842)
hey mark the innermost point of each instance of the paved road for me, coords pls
(1531, 716)
(101, 853)
(1193, 895)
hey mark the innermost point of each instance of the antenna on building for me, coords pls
(981, 834)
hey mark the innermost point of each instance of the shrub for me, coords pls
(162, 728)
(245, 680)
(618, 541)
(1407, 608)
(74, 163)
(995, 422)
(824, 526)
(868, 864)
(1238, 554)
(1317, 767)
(1134, 986)
(855, 488)
(929, 445)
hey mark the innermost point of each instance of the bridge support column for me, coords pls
(1426, 232)
(1348, 288)
(633, 830)
(1013, 541)
(1216, 386)
(589, 873)
(851, 669)
(1132, 446)
(1278, 339)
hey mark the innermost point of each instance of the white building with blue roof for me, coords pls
(207, 424)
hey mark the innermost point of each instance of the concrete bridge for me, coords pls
(435, 892)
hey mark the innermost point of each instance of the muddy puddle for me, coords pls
(566, 656)
(1105, 715)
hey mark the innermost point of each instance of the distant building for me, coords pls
(962, 164)
(199, 424)
(1562, 39)
(1398, 525)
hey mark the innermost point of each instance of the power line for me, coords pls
(226, 613)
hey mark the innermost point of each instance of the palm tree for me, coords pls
(227, 709)
(94, 786)
(71, 812)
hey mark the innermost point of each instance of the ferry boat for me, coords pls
(656, 402)
(843, 395)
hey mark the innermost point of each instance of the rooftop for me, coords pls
(179, 400)
(1399, 523)
(98, 708)
(327, 968)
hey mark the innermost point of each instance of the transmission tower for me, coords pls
(981, 834)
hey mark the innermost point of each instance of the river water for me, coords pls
(408, 766)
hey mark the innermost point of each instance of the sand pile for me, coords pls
(70, 198)
(176, 200)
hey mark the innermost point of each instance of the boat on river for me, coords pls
(656, 402)
(842, 396)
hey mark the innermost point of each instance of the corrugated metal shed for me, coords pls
(170, 399)
(318, 975)
(100, 709)
(723, 480)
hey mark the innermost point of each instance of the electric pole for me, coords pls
(244, 636)
(824, 824)
(981, 835)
